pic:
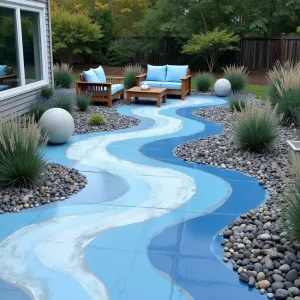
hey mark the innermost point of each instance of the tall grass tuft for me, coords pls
(22, 162)
(236, 103)
(257, 127)
(237, 76)
(47, 92)
(130, 72)
(204, 81)
(82, 102)
(37, 110)
(63, 100)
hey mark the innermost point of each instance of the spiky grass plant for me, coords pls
(82, 102)
(63, 100)
(37, 110)
(97, 120)
(236, 103)
(63, 79)
(63, 67)
(47, 92)
(204, 81)
(237, 76)
(291, 207)
(257, 127)
(130, 72)
(22, 162)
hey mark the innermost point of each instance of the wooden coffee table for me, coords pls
(156, 93)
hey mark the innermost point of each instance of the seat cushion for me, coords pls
(100, 74)
(152, 84)
(175, 73)
(156, 73)
(171, 85)
(115, 88)
(90, 76)
(3, 70)
(4, 87)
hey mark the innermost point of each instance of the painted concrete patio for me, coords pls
(146, 225)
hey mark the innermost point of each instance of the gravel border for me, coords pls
(254, 244)
(58, 183)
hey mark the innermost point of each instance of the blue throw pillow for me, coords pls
(90, 76)
(175, 73)
(3, 70)
(156, 73)
(100, 74)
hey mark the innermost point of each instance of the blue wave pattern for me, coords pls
(174, 256)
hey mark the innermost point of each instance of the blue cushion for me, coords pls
(100, 74)
(90, 76)
(154, 84)
(3, 70)
(171, 85)
(175, 73)
(4, 87)
(156, 73)
(115, 88)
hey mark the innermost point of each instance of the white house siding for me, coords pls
(20, 104)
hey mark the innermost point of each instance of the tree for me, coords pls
(211, 45)
(71, 35)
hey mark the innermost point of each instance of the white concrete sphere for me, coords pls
(58, 124)
(222, 87)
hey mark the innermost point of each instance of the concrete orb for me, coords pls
(222, 87)
(58, 124)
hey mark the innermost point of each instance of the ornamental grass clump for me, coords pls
(257, 127)
(97, 120)
(22, 162)
(236, 103)
(291, 207)
(204, 81)
(63, 75)
(130, 72)
(37, 110)
(237, 76)
(64, 101)
(47, 92)
(82, 102)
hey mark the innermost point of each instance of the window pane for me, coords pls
(9, 62)
(31, 46)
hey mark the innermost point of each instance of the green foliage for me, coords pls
(37, 110)
(63, 79)
(211, 45)
(288, 103)
(204, 82)
(130, 72)
(22, 162)
(47, 92)
(97, 120)
(237, 76)
(273, 91)
(63, 100)
(298, 29)
(236, 103)
(82, 102)
(257, 127)
(71, 35)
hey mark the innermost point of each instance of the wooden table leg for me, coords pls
(158, 101)
(128, 98)
(165, 98)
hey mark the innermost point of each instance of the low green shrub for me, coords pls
(257, 127)
(47, 92)
(37, 110)
(236, 103)
(63, 100)
(63, 79)
(97, 120)
(204, 82)
(82, 102)
(22, 162)
(288, 104)
(237, 76)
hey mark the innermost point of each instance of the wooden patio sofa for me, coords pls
(10, 80)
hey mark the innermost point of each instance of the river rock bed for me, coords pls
(58, 183)
(254, 244)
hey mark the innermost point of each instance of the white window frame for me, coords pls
(40, 8)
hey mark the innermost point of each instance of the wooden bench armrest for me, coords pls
(186, 77)
(8, 77)
(141, 76)
(104, 84)
(115, 79)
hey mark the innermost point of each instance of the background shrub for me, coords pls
(47, 92)
(97, 120)
(63, 79)
(237, 76)
(130, 72)
(82, 102)
(204, 82)
(37, 110)
(236, 103)
(63, 100)
(22, 161)
(273, 91)
(257, 127)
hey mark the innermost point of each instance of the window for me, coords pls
(23, 51)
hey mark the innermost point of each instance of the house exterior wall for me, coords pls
(19, 104)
